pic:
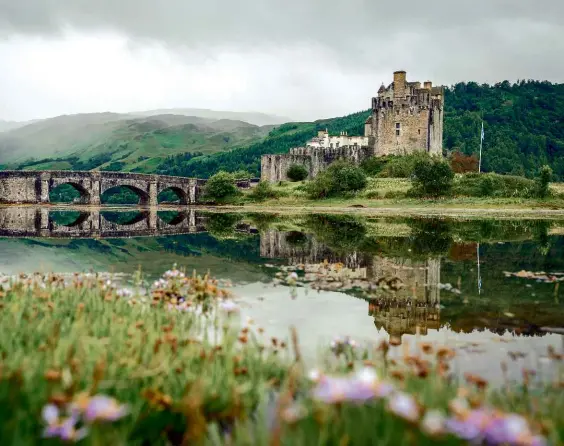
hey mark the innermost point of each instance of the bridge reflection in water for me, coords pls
(96, 223)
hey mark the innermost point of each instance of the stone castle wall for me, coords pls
(315, 159)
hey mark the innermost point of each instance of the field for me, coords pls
(86, 358)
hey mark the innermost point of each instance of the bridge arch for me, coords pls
(123, 194)
(166, 195)
(68, 192)
(125, 218)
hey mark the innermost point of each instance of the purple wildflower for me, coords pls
(104, 408)
(50, 414)
(510, 429)
(229, 307)
(66, 430)
(463, 429)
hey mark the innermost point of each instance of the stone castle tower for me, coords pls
(406, 118)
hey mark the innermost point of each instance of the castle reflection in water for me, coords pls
(412, 303)
(403, 292)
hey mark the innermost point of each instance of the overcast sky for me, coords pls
(305, 59)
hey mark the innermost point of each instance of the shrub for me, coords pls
(431, 177)
(339, 178)
(297, 172)
(374, 165)
(263, 191)
(542, 183)
(493, 185)
(401, 166)
(220, 187)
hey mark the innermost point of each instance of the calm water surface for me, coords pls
(489, 288)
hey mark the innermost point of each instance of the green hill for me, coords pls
(112, 141)
(524, 129)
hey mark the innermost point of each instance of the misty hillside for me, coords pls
(121, 141)
(255, 118)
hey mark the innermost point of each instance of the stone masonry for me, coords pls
(35, 186)
(405, 118)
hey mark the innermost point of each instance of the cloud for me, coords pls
(306, 58)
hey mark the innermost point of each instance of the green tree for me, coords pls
(220, 187)
(340, 177)
(543, 182)
(432, 177)
(297, 172)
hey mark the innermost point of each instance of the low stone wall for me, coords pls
(274, 168)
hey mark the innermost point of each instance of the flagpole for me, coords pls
(481, 144)
(479, 276)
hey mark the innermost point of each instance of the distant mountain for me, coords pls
(11, 125)
(119, 141)
(255, 118)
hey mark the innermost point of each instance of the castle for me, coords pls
(405, 118)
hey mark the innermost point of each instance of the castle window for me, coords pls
(398, 128)
(419, 131)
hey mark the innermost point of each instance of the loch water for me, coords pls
(489, 288)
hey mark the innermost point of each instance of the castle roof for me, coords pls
(382, 88)
(368, 120)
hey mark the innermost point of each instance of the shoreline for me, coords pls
(386, 210)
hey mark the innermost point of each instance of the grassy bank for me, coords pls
(392, 193)
(86, 359)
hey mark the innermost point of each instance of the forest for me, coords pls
(523, 126)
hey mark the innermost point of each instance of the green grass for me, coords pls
(392, 193)
(187, 377)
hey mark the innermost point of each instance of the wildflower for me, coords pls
(463, 429)
(64, 429)
(104, 408)
(229, 307)
(314, 375)
(124, 292)
(404, 406)
(367, 376)
(433, 422)
(293, 413)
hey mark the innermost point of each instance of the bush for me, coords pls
(542, 183)
(431, 177)
(220, 187)
(374, 165)
(297, 172)
(339, 178)
(493, 185)
(263, 191)
(401, 166)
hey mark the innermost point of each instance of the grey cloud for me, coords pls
(348, 27)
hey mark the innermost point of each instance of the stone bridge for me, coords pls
(35, 186)
(41, 222)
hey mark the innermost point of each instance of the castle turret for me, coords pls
(399, 84)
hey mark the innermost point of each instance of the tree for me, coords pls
(431, 177)
(297, 172)
(340, 177)
(543, 182)
(220, 187)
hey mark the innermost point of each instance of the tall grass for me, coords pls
(180, 367)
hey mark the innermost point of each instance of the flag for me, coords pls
(482, 136)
